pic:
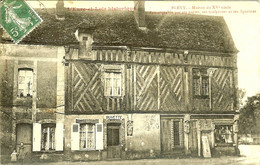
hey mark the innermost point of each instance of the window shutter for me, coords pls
(99, 136)
(75, 136)
(36, 137)
(59, 137)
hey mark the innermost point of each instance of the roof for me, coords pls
(119, 28)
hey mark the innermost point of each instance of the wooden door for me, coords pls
(24, 134)
(113, 141)
(166, 138)
(171, 135)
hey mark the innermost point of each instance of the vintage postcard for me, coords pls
(129, 82)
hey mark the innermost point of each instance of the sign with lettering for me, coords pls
(87, 121)
(17, 18)
(114, 117)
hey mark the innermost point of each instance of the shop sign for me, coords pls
(87, 121)
(114, 117)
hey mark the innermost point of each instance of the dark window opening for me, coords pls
(224, 134)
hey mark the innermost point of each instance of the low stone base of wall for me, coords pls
(142, 154)
(86, 156)
(225, 151)
(47, 157)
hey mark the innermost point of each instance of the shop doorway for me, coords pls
(113, 141)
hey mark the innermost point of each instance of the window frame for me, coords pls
(106, 69)
(43, 144)
(112, 75)
(200, 75)
(26, 69)
(86, 136)
(231, 134)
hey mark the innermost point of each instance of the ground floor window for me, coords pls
(87, 136)
(223, 134)
(48, 137)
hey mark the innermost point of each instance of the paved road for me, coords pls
(250, 155)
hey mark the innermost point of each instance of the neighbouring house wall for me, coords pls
(45, 62)
(6, 104)
(6, 87)
(46, 97)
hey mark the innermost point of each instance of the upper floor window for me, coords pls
(113, 85)
(200, 83)
(25, 82)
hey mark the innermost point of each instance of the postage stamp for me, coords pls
(17, 18)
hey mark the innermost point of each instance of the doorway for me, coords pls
(24, 134)
(171, 135)
(113, 141)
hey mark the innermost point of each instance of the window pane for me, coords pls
(118, 86)
(196, 86)
(91, 136)
(21, 79)
(205, 86)
(25, 82)
(44, 139)
(48, 138)
(52, 139)
(82, 135)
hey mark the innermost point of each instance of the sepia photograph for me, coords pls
(129, 82)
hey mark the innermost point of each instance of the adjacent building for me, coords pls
(97, 85)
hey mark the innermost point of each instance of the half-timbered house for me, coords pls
(134, 84)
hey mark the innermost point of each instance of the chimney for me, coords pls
(139, 12)
(60, 10)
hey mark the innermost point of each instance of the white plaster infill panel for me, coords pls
(146, 132)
